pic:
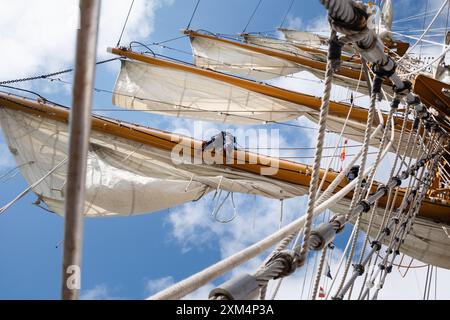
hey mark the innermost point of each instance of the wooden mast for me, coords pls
(80, 129)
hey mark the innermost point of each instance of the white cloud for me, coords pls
(294, 23)
(99, 292)
(193, 225)
(318, 24)
(155, 285)
(40, 35)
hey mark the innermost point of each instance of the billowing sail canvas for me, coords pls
(165, 87)
(178, 93)
(132, 171)
(307, 38)
(124, 177)
(222, 54)
(224, 57)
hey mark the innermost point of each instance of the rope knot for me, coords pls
(335, 52)
(359, 269)
(358, 24)
(376, 245)
(407, 86)
(381, 71)
(287, 259)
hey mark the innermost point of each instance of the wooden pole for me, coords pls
(80, 129)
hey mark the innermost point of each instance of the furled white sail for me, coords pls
(314, 53)
(281, 45)
(184, 94)
(123, 177)
(291, 48)
(225, 57)
(175, 92)
(306, 38)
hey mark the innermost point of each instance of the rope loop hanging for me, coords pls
(219, 205)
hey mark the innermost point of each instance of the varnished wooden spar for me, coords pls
(337, 109)
(345, 71)
(302, 47)
(351, 73)
(431, 93)
(399, 47)
(295, 173)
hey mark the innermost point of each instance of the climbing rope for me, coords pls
(282, 263)
(331, 66)
(412, 212)
(319, 273)
(357, 196)
(359, 269)
(371, 179)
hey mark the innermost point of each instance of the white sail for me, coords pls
(185, 94)
(306, 38)
(290, 48)
(224, 57)
(281, 45)
(123, 177)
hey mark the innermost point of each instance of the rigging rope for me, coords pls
(446, 232)
(287, 13)
(383, 228)
(14, 171)
(45, 76)
(312, 194)
(31, 187)
(193, 15)
(252, 16)
(218, 207)
(446, 20)
(407, 216)
(388, 203)
(194, 110)
(415, 17)
(125, 24)
(426, 30)
(424, 21)
(359, 190)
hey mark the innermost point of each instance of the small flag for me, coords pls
(328, 271)
(322, 293)
(344, 151)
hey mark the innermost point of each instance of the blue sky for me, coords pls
(129, 258)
